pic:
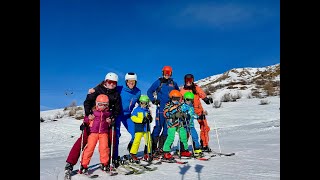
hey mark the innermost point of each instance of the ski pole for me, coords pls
(81, 149)
(188, 130)
(111, 148)
(216, 134)
(149, 145)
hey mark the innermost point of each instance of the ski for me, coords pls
(214, 153)
(136, 170)
(147, 167)
(125, 171)
(174, 161)
(223, 154)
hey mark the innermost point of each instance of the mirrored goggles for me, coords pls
(112, 82)
(102, 104)
(131, 81)
(168, 73)
(189, 80)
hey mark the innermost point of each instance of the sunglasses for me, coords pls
(189, 80)
(102, 104)
(175, 98)
(112, 82)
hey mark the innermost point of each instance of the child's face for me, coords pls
(102, 106)
(143, 104)
(188, 101)
(175, 100)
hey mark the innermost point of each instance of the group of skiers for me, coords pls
(108, 105)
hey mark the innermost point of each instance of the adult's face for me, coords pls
(131, 83)
(110, 84)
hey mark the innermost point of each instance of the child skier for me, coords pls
(99, 128)
(142, 119)
(187, 107)
(174, 116)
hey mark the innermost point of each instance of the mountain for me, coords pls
(245, 82)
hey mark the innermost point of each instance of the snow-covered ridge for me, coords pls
(248, 81)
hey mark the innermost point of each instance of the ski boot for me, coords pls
(147, 158)
(185, 154)
(198, 153)
(206, 149)
(116, 162)
(104, 167)
(168, 156)
(83, 170)
(134, 159)
(68, 169)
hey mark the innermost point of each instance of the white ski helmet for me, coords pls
(112, 76)
(131, 76)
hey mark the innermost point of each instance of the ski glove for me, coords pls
(83, 126)
(145, 120)
(149, 117)
(156, 102)
(208, 100)
(176, 115)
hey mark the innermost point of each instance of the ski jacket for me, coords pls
(99, 123)
(137, 117)
(162, 87)
(114, 100)
(188, 109)
(198, 94)
(169, 110)
(129, 97)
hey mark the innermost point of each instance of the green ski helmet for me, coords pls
(144, 98)
(188, 95)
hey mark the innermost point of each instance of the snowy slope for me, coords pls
(250, 130)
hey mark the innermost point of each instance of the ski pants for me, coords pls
(137, 139)
(204, 131)
(128, 124)
(104, 151)
(74, 153)
(160, 123)
(171, 135)
(194, 138)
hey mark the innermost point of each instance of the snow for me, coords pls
(250, 130)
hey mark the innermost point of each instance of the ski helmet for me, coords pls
(102, 102)
(131, 76)
(167, 70)
(144, 98)
(102, 98)
(188, 78)
(175, 93)
(111, 76)
(188, 95)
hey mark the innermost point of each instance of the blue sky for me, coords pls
(81, 41)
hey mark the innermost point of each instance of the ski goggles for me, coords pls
(102, 104)
(168, 73)
(175, 98)
(188, 100)
(189, 80)
(144, 103)
(131, 81)
(112, 82)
